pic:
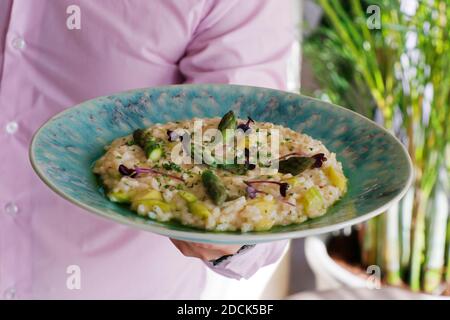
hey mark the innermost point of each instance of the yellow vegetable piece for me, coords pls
(265, 207)
(151, 203)
(150, 194)
(293, 182)
(189, 197)
(195, 206)
(119, 197)
(264, 224)
(199, 209)
(312, 201)
(336, 178)
(171, 145)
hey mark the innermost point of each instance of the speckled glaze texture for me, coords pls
(376, 164)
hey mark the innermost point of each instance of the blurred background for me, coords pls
(387, 60)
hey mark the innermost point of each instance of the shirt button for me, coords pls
(18, 43)
(11, 208)
(9, 294)
(11, 127)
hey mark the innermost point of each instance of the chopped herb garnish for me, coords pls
(252, 191)
(171, 166)
(246, 126)
(126, 171)
(283, 188)
(133, 173)
(296, 163)
(283, 185)
(319, 160)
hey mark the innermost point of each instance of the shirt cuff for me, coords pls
(222, 259)
(248, 260)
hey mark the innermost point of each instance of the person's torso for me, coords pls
(44, 68)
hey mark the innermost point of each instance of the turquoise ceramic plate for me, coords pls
(376, 164)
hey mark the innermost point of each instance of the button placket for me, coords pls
(18, 43)
(12, 127)
(11, 208)
(9, 293)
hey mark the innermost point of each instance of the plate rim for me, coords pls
(209, 236)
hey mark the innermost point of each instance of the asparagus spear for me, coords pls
(139, 137)
(227, 125)
(214, 187)
(152, 149)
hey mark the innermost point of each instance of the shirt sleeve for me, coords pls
(248, 260)
(241, 42)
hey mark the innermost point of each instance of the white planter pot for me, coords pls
(330, 275)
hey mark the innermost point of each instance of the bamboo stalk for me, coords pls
(412, 246)
(447, 190)
(436, 241)
(428, 139)
(447, 259)
(405, 231)
(369, 243)
(392, 246)
(358, 55)
(381, 241)
(418, 240)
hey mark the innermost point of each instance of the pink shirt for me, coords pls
(45, 68)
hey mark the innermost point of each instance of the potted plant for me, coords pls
(388, 60)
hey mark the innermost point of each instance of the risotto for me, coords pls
(222, 174)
